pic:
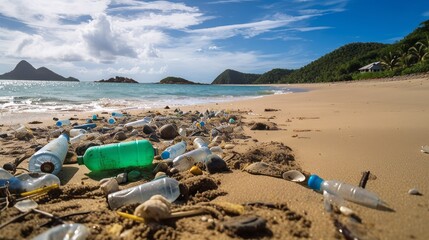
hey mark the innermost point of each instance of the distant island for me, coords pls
(176, 80)
(25, 71)
(118, 80)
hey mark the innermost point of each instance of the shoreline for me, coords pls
(337, 131)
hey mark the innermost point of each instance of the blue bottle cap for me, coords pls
(165, 155)
(111, 121)
(202, 124)
(314, 182)
(59, 123)
(66, 136)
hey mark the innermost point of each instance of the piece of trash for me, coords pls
(195, 170)
(425, 149)
(72, 231)
(364, 179)
(50, 158)
(167, 187)
(174, 151)
(63, 122)
(294, 176)
(138, 153)
(262, 168)
(109, 185)
(187, 160)
(245, 224)
(414, 191)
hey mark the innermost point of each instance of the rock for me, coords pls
(245, 225)
(120, 136)
(166, 107)
(3, 135)
(264, 126)
(160, 175)
(134, 132)
(261, 168)
(121, 178)
(81, 149)
(133, 176)
(195, 170)
(35, 122)
(173, 171)
(70, 158)
(168, 132)
(154, 138)
(109, 185)
(215, 164)
(148, 129)
(229, 146)
(414, 191)
(24, 136)
(160, 167)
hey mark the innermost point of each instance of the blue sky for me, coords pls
(196, 40)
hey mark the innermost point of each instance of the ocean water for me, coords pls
(50, 96)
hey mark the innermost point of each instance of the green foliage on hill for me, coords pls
(273, 76)
(337, 65)
(175, 80)
(230, 76)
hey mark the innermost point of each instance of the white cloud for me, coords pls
(426, 14)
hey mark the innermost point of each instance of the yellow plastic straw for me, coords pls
(130, 216)
(39, 190)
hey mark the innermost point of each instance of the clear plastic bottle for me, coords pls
(187, 160)
(139, 123)
(167, 187)
(70, 231)
(5, 174)
(29, 181)
(77, 139)
(346, 191)
(182, 132)
(199, 143)
(76, 132)
(174, 151)
(50, 158)
(63, 122)
(217, 150)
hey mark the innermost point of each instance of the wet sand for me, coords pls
(335, 130)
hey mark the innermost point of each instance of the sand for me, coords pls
(335, 130)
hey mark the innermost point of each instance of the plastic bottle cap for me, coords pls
(80, 160)
(314, 182)
(111, 120)
(165, 155)
(66, 136)
(59, 123)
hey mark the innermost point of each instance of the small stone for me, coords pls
(215, 164)
(81, 149)
(109, 185)
(160, 175)
(133, 176)
(120, 136)
(261, 168)
(229, 146)
(414, 191)
(3, 135)
(166, 107)
(245, 225)
(160, 167)
(148, 129)
(121, 178)
(154, 138)
(134, 132)
(24, 136)
(174, 170)
(168, 132)
(217, 139)
(195, 170)
(264, 126)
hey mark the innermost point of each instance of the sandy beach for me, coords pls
(335, 130)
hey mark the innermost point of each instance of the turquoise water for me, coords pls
(46, 96)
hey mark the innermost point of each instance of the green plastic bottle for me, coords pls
(138, 153)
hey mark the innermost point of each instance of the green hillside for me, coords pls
(234, 77)
(410, 55)
(175, 80)
(273, 76)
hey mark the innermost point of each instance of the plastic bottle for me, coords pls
(5, 174)
(346, 191)
(138, 153)
(139, 123)
(187, 160)
(29, 181)
(217, 150)
(69, 231)
(63, 122)
(77, 139)
(117, 114)
(174, 151)
(199, 143)
(85, 126)
(76, 132)
(50, 158)
(167, 187)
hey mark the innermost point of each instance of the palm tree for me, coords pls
(420, 51)
(424, 46)
(406, 59)
(390, 61)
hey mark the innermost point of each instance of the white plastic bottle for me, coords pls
(76, 132)
(199, 143)
(187, 160)
(167, 187)
(174, 151)
(63, 122)
(71, 231)
(346, 191)
(50, 158)
(139, 123)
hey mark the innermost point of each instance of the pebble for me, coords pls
(24, 136)
(159, 175)
(215, 164)
(414, 191)
(174, 170)
(120, 136)
(245, 225)
(229, 146)
(168, 132)
(195, 170)
(109, 185)
(148, 129)
(133, 176)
